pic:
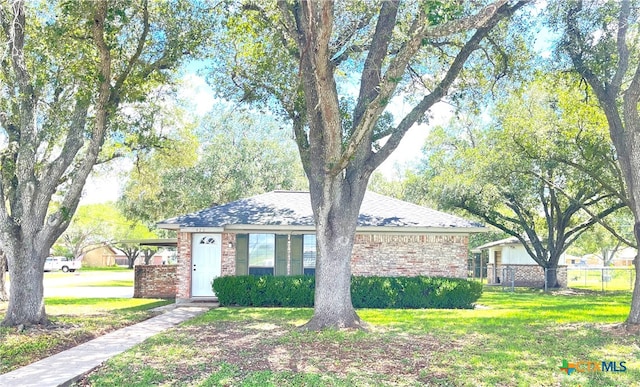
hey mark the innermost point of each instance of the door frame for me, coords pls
(195, 237)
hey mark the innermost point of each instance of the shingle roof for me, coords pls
(289, 208)
(507, 241)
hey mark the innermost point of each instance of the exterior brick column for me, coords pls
(183, 271)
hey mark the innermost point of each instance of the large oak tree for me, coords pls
(603, 44)
(304, 57)
(77, 80)
(541, 170)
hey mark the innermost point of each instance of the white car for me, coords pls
(61, 263)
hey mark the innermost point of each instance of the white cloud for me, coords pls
(409, 150)
(197, 92)
(105, 184)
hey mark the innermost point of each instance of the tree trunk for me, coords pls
(634, 313)
(629, 159)
(336, 209)
(551, 277)
(3, 266)
(26, 268)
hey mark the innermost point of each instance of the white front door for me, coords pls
(206, 254)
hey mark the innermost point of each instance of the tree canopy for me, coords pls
(602, 43)
(515, 173)
(221, 159)
(80, 81)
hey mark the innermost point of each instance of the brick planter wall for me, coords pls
(410, 255)
(155, 281)
(524, 275)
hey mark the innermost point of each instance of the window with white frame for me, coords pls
(309, 254)
(261, 254)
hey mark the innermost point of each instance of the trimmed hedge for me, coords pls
(267, 290)
(366, 292)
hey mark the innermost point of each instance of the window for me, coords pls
(309, 255)
(261, 254)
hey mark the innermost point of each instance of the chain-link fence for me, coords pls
(601, 278)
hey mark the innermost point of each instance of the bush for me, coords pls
(366, 292)
(249, 290)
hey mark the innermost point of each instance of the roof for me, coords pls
(502, 242)
(290, 209)
(157, 242)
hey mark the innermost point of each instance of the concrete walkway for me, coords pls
(69, 366)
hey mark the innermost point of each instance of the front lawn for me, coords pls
(510, 339)
(73, 321)
(95, 278)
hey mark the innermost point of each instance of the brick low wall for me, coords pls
(155, 281)
(524, 275)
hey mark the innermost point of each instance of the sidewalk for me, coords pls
(67, 367)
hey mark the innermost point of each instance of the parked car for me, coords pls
(62, 263)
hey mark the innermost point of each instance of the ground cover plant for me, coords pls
(72, 321)
(510, 339)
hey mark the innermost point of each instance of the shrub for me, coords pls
(366, 292)
(249, 290)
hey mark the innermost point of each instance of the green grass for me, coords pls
(106, 268)
(73, 321)
(615, 279)
(511, 339)
(120, 278)
(110, 283)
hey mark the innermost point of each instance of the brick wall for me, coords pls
(523, 275)
(410, 255)
(373, 254)
(155, 281)
(228, 264)
(183, 270)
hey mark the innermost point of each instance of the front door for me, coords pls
(206, 256)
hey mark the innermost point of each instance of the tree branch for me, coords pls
(60, 219)
(372, 70)
(443, 86)
(140, 46)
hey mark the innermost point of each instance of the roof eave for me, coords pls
(248, 228)
(421, 230)
(168, 226)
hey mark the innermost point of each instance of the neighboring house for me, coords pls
(583, 261)
(624, 257)
(509, 262)
(158, 258)
(105, 255)
(274, 234)
(99, 256)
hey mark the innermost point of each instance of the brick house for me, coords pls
(510, 263)
(274, 234)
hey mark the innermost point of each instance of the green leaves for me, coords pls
(543, 166)
(439, 12)
(224, 160)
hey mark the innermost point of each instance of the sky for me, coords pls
(106, 185)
